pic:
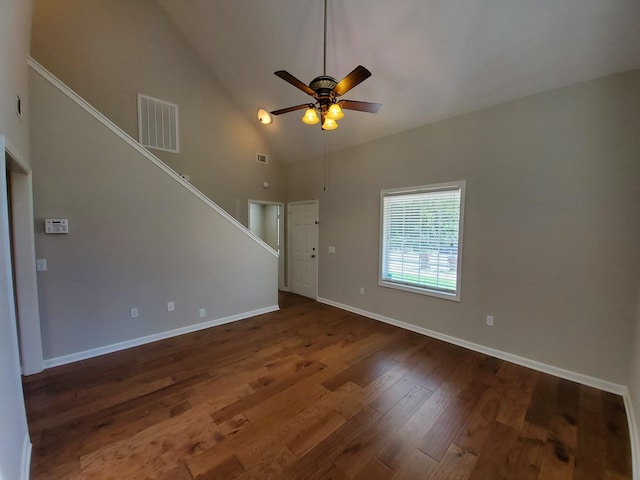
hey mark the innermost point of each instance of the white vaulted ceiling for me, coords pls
(430, 59)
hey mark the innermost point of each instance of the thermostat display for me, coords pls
(56, 225)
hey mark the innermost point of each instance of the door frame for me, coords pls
(290, 252)
(27, 310)
(282, 255)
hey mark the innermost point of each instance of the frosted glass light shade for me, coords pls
(335, 112)
(264, 117)
(329, 124)
(310, 117)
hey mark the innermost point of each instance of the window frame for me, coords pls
(456, 185)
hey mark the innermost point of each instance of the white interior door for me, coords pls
(303, 248)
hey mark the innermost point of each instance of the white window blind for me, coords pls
(158, 124)
(422, 238)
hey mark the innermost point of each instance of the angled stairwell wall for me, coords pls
(139, 237)
(109, 51)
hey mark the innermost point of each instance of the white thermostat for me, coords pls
(56, 225)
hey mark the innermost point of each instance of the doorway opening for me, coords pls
(266, 221)
(12, 252)
(19, 201)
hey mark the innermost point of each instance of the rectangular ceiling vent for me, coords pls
(262, 158)
(158, 124)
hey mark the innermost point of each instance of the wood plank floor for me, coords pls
(313, 392)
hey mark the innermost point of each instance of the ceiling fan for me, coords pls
(325, 90)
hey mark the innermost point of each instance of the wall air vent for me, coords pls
(262, 158)
(158, 124)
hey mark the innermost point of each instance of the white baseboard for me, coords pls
(95, 352)
(509, 357)
(25, 467)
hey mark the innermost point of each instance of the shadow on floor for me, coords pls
(288, 299)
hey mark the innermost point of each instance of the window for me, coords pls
(421, 239)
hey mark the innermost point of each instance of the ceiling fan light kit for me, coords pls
(329, 124)
(326, 90)
(335, 112)
(264, 117)
(310, 117)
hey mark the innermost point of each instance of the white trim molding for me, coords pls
(82, 103)
(115, 347)
(509, 357)
(25, 468)
(633, 433)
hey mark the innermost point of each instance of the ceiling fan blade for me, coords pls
(287, 77)
(290, 109)
(360, 106)
(359, 75)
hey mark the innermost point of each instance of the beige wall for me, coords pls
(15, 28)
(138, 238)
(109, 50)
(271, 225)
(15, 16)
(256, 216)
(551, 223)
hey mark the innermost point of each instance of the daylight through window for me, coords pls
(421, 243)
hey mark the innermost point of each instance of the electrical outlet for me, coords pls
(134, 313)
(332, 249)
(41, 265)
(361, 290)
(171, 306)
(490, 320)
(203, 313)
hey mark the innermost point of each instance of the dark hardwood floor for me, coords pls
(313, 392)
